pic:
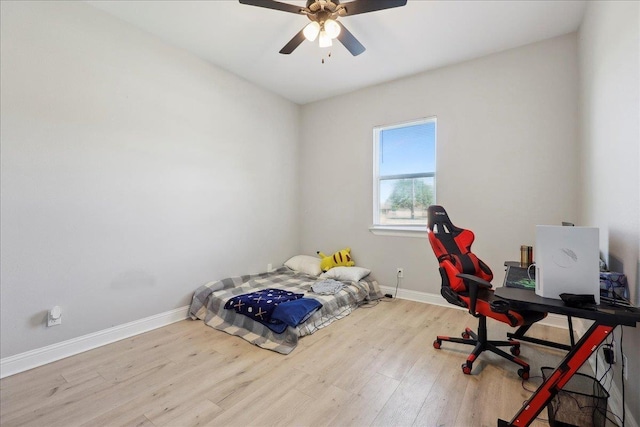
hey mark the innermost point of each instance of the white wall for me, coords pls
(506, 158)
(609, 53)
(132, 173)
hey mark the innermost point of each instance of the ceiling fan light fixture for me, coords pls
(332, 28)
(311, 31)
(324, 40)
(325, 13)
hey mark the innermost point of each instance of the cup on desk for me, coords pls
(526, 255)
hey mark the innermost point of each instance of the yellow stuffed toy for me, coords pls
(340, 258)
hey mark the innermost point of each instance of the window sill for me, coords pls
(399, 231)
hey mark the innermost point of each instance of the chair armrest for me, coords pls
(474, 283)
(475, 279)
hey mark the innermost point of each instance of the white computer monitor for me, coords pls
(567, 261)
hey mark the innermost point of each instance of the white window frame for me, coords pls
(398, 230)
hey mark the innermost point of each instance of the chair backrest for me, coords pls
(452, 247)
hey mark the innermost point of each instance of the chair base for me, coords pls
(481, 343)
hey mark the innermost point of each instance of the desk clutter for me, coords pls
(614, 285)
(520, 277)
(588, 302)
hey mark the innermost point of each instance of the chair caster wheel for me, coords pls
(466, 335)
(437, 344)
(466, 369)
(515, 350)
(523, 373)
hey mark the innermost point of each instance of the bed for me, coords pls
(209, 300)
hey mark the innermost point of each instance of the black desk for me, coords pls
(606, 318)
(521, 277)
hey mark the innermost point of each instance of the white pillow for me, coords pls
(346, 274)
(305, 264)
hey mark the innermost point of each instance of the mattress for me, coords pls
(209, 300)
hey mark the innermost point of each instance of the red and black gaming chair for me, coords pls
(465, 282)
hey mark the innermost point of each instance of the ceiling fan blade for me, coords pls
(271, 4)
(349, 41)
(364, 6)
(293, 43)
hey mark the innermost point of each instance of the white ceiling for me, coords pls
(422, 35)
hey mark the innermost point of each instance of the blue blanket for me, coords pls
(274, 308)
(294, 312)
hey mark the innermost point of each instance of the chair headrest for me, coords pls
(436, 216)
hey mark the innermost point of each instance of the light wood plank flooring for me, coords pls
(376, 367)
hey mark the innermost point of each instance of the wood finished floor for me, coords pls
(376, 367)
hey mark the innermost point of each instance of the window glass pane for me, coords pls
(404, 173)
(405, 201)
(407, 149)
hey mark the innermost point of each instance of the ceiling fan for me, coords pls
(324, 23)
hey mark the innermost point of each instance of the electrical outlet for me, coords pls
(625, 367)
(54, 317)
(269, 267)
(400, 272)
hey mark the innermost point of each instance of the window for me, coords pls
(404, 169)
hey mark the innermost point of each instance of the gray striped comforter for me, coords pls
(209, 300)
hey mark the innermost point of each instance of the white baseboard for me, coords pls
(555, 320)
(41, 356)
(435, 299)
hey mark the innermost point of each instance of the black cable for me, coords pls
(369, 304)
(395, 294)
(532, 391)
(530, 378)
(396, 291)
(563, 395)
(624, 412)
(605, 372)
(595, 391)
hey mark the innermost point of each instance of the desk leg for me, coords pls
(519, 335)
(573, 341)
(596, 334)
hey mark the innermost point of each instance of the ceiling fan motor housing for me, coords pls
(315, 5)
(322, 10)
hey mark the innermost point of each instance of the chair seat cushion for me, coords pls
(511, 317)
